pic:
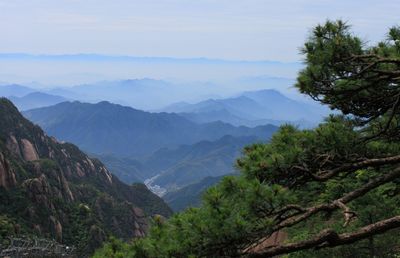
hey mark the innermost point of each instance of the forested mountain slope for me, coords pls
(53, 190)
(106, 128)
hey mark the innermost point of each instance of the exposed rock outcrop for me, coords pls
(13, 145)
(38, 190)
(56, 228)
(28, 150)
(7, 174)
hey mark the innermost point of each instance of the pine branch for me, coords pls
(329, 238)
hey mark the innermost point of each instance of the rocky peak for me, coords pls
(58, 192)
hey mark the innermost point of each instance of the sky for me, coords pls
(222, 29)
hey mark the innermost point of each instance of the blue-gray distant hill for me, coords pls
(139, 93)
(106, 128)
(252, 108)
(190, 196)
(15, 90)
(174, 168)
(144, 94)
(181, 175)
(36, 100)
(25, 98)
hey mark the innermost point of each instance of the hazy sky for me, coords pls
(227, 29)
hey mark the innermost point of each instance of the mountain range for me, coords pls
(169, 169)
(251, 109)
(14, 90)
(165, 151)
(90, 68)
(144, 94)
(53, 190)
(106, 128)
(35, 100)
(188, 164)
(25, 98)
(179, 146)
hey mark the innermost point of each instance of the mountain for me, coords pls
(129, 170)
(190, 196)
(174, 169)
(53, 190)
(284, 108)
(14, 90)
(136, 92)
(88, 68)
(106, 128)
(251, 109)
(169, 169)
(239, 106)
(145, 94)
(36, 100)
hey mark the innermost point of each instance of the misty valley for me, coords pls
(170, 149)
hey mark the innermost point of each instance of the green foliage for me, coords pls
(115, 248)
(7, 229)
(230, 213)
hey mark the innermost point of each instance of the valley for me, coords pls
(169, 149)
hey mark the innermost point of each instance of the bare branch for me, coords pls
(302, 214)
(327, 174)
(349, 215)
(372, 184)
(329, 238)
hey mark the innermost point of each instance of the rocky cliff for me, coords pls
(54, 190)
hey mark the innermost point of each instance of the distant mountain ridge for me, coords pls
(36, 100)
(251, 108)
(106, 128)
(100, 57)
(172, 169)
(144, 94)
(15, 90)
(190, 195)
(25, 98)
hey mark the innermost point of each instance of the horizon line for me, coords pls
(100, 57)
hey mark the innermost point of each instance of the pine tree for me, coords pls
(336, 185)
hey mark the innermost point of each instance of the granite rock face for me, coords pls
(7, 174)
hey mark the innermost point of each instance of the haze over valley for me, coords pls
(182, 133)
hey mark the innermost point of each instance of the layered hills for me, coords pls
(165, 151)
(36, 100)
(251, 108)
(169, 169)
(106, 128)
(174, 169)
(14, 90)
